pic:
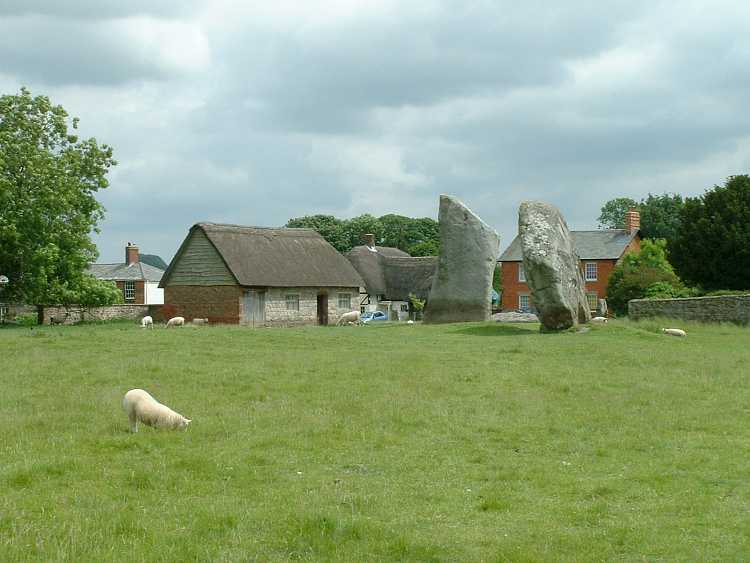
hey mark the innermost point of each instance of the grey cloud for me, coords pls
(100, 9)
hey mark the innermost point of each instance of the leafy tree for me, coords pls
(613, 213)
(48, 181)
(660, 216)
(712, 246)
(637, 272)
(418, 237)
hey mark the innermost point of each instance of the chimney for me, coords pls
(632, 220)
(369, 240)
(131, 254)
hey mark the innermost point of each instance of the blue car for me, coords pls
(373, 316)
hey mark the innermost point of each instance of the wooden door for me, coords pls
(323, 309)
(255, 307)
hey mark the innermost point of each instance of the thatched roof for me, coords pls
(267, 257)
(392, 272)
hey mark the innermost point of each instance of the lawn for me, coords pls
(475, 442)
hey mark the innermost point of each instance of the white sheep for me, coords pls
(599, 319)
(350, 317)
(142, 407)
(147, 322)
(674, 332)
(175, 321)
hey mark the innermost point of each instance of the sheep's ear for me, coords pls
(188, 420)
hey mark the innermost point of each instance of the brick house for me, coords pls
(138, 281)
(390, 275)
(259, 276)
(599, 251)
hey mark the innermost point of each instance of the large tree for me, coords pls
(48, 181)
(417, 236)
(660, 214)
(712, 246)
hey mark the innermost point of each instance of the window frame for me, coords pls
(348, 297)
(128, 288)
(595, 266)
(595, 296)
(528, 302)
(521, 273)
(293, 299)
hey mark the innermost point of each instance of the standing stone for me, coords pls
(462, 287)
(552, 266)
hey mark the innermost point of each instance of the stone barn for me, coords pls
(259, 276)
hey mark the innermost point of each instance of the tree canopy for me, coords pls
(48, 181)
(712, 245)
(417, 236)
(660, 214)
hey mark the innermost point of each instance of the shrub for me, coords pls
(665, 290)
(28, 319)
(640, 271)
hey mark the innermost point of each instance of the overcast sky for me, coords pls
(255, 112)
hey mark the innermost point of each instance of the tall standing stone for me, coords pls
(552, 266)
(462, 287)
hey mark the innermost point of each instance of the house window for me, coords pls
(593, 300)
(129, 291)
(345, 301)
(591, 271)
(3, 313)
(292, 302)
(521, 273)
(405, 307)
(523, 302)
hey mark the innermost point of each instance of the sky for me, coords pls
(255, 112)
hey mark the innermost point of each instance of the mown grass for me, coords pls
(477, 442)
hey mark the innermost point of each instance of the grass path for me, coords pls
(475, 442)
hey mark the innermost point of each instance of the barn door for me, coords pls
(255, 307)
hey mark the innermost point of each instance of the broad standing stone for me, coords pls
(552, 266)
(462, 287)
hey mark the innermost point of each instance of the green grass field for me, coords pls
(473, 442)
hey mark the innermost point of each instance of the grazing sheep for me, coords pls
(200, 322)
(147, 322)
(674, 332)
(599, 319)
(142, 407)
(352, 317)
(175, 321)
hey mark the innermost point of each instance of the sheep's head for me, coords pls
(184, 423)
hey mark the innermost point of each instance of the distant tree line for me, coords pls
(417, 236)
(693, 245)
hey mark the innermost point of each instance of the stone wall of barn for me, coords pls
(217, 303)
(725, 308)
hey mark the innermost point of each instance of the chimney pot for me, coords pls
(131, 254)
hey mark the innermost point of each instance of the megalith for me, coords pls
(552, 267)
(462, 286)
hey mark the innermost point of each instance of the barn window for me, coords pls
(292, 302)
(129, 291)
(345, 300)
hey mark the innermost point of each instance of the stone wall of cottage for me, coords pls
(725, 308)
(281, 312)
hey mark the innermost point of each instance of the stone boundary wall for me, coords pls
(724, 308)
(77, 314)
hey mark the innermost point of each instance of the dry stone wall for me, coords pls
(725, 308)
(75, 314)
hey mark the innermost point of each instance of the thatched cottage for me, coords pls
(259, 276)
(390, 276)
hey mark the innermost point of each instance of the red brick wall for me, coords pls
(512, 287)
(140, 292)
(218, 303)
